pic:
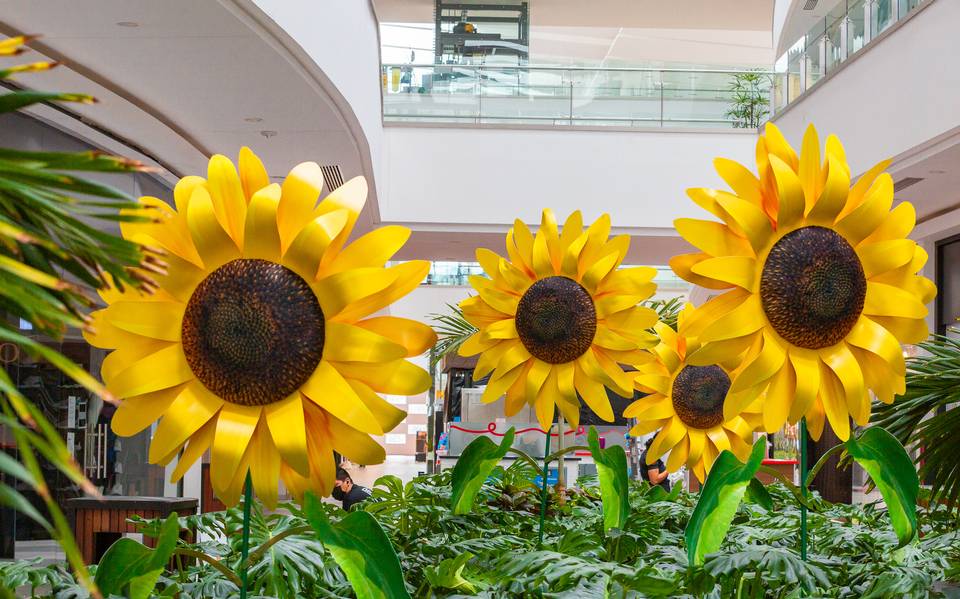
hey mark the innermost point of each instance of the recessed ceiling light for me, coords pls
(938, 172)
(127, 24)
(253, 119)
(268, 134)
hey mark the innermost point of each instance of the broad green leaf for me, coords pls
(759, 494)
(890, 467)
(127, 561)
(719, 498)
(448, 574)
(612, 473)
(17, 100)
(141, 587)
(477, 461)
(361, 549)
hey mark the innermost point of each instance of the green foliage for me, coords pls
(928, 416)
(473, 467)
(47, 234)
(722, 492)
(749, 99)
(452, 330)
(492, 551)
(668, 310)
(362, 550)
(887, 463)
(131, 569)
(612, 473)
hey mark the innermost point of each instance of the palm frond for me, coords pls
(668, 310)
(927, 416)
(452, 331)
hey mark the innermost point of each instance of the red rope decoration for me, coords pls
(492, 429)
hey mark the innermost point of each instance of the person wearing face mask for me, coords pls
(345, 490)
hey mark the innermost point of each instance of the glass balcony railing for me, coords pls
(846, 30)
(457, 274)
(624, 97)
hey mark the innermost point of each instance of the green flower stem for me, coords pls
(526, 457)
(543, 500)
(803, 489)
(217, 564)
(821, 463)
(245, 541)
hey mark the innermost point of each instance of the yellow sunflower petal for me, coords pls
(740, 179)
(742, 320)
(776, 405)
(406, 277)
(348, 343)
(792, 203)
(885, 255)
(126, 356)
(103, 334)
(542, 264)
(372, 249)
(235, 427)
(340, 291)
(594, 394)
(735, 270)
(844, 365)
(809, 168)
(834, 402)
(181, 279)
(896, 224)
(137, 413)
(777, 145)
(264, 466)
(300, 192)
(746, 218)
(505, 329)
(678, 455)
(157, 320)
(873, 337)
(261, 236)
(697, 440)
(253, 176)
(545, 406)
(807, 370)
(666, 439)
(884, 300)
(572, 229)
(535, 378)
(226, 194)
(497, 385)
(351, 196)
(387, 415)
(871, 214)
(354, 445)
(834, 195)
(761, 368)
(307, 249)
(328, 389)
(683, 264)
(859, 189)
(160, 370)
(474, 345)
(213, 242)
(287, 426)
(192, 408)
(199, 443)
(816, 419)
(415, 337)
(398, 377)
(713, 238)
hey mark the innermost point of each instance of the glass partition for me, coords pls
(623, 97)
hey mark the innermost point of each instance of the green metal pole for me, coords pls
(245, 540)
(543, 500)
(803, 488)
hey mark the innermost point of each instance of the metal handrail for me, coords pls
(578, 68)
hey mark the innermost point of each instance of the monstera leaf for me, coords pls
(477, 461)
(361, 549)
(131, 569)
(721, 494)
(612, 472)
(890, 467)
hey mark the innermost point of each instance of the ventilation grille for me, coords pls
(332, 177)
(810, 4)
(905, 183)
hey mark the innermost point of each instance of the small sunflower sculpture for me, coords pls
(558, 318)
(258, 343)
(685, 404)
(820, 280)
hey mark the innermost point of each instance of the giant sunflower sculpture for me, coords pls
(258, 343)
(685, 404)
(558, 318)
(821, 279)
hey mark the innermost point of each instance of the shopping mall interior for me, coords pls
(502, 234)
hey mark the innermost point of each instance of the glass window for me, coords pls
(883, 15)
(856, 30)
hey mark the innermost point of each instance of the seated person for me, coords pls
(655, 473)
(346, 491)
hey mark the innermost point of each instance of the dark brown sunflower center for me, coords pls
(253, 332)
(813, 287)
(698, 393)
(556, 320)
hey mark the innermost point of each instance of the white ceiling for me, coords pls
(183, 82)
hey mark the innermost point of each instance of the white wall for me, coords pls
(893, 97)
(493, 175)
(342, 39)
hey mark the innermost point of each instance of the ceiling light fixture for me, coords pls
(268, 134)
(127, 24)
(253, 119)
